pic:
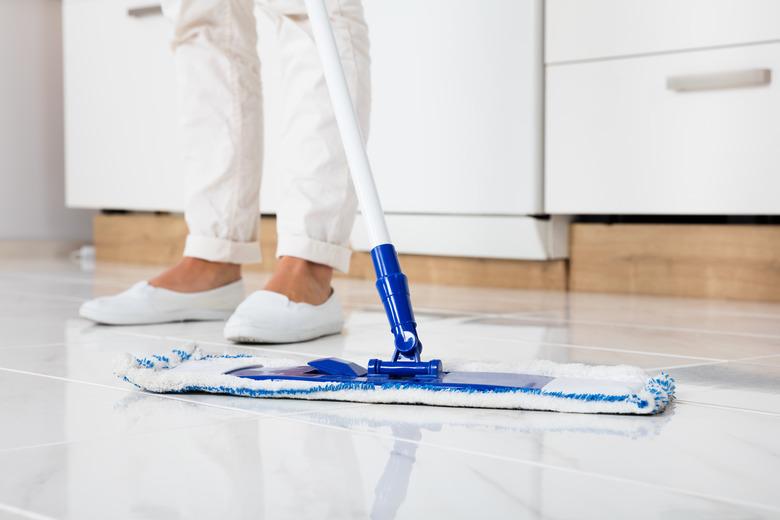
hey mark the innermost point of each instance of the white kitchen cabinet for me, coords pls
(456, 127)
(457, 105)
(649, 122)
(120, 108)
(120, 113)
(592, 29)
(456, 131)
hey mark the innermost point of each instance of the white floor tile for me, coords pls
(765, 361)
(671, 342)
(733, 384)
(93, 362)
(288, 469)
(84, 445)
(680, 313)
(700, 450)
(39, 410)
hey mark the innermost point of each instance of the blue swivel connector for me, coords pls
(394, 290)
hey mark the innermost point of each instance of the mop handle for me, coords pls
(347, 120)
(391, 283)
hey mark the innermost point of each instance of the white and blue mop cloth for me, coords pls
(575, 388)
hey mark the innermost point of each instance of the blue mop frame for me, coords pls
(393, 289)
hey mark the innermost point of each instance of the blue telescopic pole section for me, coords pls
(391, 283)
(394, 291)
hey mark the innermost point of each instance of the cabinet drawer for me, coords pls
(590, 29)
(663, 134)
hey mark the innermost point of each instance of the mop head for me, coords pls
(567, 387)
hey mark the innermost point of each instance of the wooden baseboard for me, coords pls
(474, 272)
(159, 239)
(139, 238)
(704, 261)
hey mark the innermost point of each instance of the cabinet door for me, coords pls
(456, 111)
(120, 108)
(683, 133)
(592, 29)
(121, 116)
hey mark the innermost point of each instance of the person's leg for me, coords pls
(219, 81)
(218, 75)
(318, 203)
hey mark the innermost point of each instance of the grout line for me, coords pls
(685, 312)
(756, 358)
(245, 415)
(728, 408)
(87, 282)
(172, 397)
(35, 345)
(119, 388)
(34, 446)
(446, 314)
(642, 326)
(721, 362)
(53, 297)
(25, 513)
(89, 383)
(690, 365)
(217, 343)
(14, 275)
(284, 415)
(125, 435)
(593, 347)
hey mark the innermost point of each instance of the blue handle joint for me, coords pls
(394, 291)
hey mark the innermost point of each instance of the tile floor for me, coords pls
(76, 443)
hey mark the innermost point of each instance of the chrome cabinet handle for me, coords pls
(144, 11)
(720, 80)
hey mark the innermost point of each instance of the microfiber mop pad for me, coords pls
(537, 385)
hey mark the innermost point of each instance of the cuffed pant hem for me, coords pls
(222, 250)
(315, 251)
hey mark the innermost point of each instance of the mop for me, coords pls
(405, 378)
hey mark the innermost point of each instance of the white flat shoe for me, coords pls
(144, 304)
(269, 317)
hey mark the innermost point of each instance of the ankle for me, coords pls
(301, 280)
(196, 275)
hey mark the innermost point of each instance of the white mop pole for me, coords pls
(391, 282)
(347, 120)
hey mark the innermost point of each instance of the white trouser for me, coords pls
(220, 110)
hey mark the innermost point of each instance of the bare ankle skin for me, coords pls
(196, 275)
(301, 280)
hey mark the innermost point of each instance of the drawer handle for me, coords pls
(720, 80)
(144, 11)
